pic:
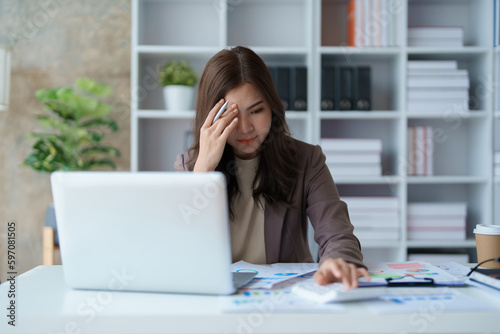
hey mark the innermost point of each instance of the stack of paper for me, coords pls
(437, 221)
(497, 163)
(439, 258)
(420, 150)
(353, 156)
(374, 217)
(437, 85)
(436, 36)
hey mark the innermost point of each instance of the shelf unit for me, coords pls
(312, 34)
(496, 135)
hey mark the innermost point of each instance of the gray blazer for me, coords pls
(315, 196)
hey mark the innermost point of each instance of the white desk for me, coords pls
(46, 305)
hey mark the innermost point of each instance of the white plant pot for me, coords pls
(178, 97)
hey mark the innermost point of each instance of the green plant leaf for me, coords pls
(106, 122)
(107, 150)
(90, 86)
(95, 163)
(95, 136)
(47, 156)
(177, 73)
(76, 122)
(60, 110)
(97, 111)
(50, 122)
(46, 94)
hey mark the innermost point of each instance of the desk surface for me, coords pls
(46, 305)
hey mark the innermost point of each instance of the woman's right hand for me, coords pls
(213, 137)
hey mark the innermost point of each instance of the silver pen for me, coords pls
(219, 113)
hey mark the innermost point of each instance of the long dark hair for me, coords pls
(277, 172)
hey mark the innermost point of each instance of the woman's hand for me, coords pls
(337, 270)
(213, 137)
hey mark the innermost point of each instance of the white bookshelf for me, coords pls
(314, 33)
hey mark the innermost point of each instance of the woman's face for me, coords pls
(254, 121)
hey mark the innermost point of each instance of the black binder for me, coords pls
(362, 88)
(298, 88)
(274, 75)
(328, 87)
(283, 85)
(344, 87)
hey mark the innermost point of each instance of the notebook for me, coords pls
(145, 231)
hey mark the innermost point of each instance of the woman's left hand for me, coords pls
(338, 270)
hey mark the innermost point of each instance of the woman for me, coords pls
(274, 181)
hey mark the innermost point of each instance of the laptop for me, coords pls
(145, 231)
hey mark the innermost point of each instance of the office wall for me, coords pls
(54, 42)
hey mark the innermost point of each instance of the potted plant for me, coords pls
(75, 127)
(178, 79)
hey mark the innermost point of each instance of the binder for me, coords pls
(362, 88)
(283, 85)
(274, 75)
(343, 85)
(298, 88)
(327, 87)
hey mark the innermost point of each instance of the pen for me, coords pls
(221, 110)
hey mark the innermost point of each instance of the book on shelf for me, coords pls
(291, 85)
(435, 42)
(431, 221)
(283, 85)
(435, 36)
(433, 94)
(435, 221)
(353, 156)
(435, 32)
(376, 233)
(422, 65)
(368, 218)
(345, 87)
(420, 151)
(298, 88)
(438, 258)
(343, 157)
(362, 88)
(328, 87)
(455, 233)
(437, 209)
(437, 105)
(441, 79)
(437, 86)
(371, 203)
(355, 169)
(351, 144)
(372, 23)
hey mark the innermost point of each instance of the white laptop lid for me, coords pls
(144, 231)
